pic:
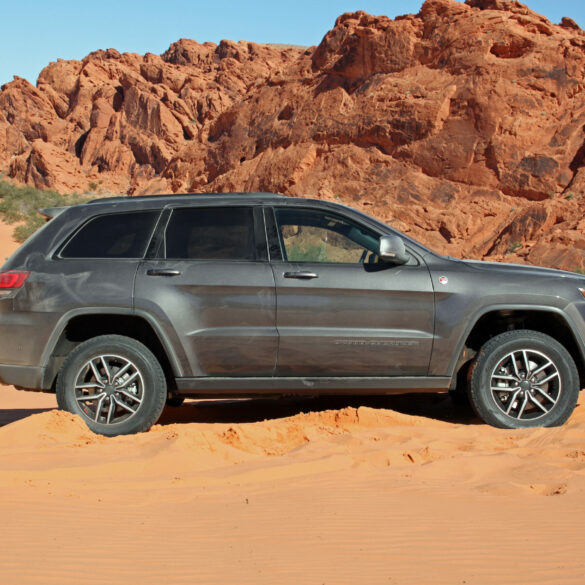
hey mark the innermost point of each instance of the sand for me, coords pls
(7, 244)
(400, 490)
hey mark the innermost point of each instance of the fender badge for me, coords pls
(443, 280)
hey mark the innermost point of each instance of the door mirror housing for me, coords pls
(392, 250)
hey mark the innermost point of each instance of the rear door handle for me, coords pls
(303, 275)
(163, 272)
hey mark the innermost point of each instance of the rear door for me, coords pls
(340, 312)
(211, 289)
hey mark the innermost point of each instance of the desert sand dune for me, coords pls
(401, 490)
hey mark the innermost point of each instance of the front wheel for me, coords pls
(524, 379)
(114, 383)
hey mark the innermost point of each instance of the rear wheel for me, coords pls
(524, 379)
(114, 383)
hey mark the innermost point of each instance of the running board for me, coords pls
(312, 385)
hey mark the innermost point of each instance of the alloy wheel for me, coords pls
(109, 389)
(525, 384)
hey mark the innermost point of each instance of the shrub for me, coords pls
(304, 252)
(21, 204)
(513, 247)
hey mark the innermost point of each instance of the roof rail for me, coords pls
(179, 195)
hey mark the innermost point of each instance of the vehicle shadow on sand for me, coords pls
(432, 406)
(10, 415)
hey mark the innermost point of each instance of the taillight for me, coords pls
(13, 279)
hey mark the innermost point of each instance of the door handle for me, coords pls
(303, 275)
(162, 272)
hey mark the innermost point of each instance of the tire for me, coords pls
(114, 383)
(524, 379)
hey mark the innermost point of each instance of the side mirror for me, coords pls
(392, 250)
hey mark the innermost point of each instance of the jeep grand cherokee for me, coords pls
(122, 304)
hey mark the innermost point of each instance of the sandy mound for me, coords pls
(287, 491)
(541, 461)
(265, 491)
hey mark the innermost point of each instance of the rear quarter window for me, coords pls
(116, 235)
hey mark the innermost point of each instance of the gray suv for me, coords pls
(121, 305)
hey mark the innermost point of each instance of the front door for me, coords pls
(341, 312)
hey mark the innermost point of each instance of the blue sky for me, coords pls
(39, 31)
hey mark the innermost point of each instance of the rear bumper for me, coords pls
(30, 377)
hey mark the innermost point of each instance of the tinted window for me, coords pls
(318, 236)
(119, 235)
(210, 233)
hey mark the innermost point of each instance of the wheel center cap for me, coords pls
(525, 386)
(109, 389)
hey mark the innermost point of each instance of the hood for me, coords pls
(521, 269)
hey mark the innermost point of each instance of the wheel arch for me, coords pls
(79, 326)
(496, 320)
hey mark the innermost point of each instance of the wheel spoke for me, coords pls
(89, 385)
(526, 362)
(130, 396)
(99, 407)
(541, 369)
(509, 389)
(121, 371)
(512, 401)
(545, 395)
(515, 365)
(122, 404)
(536, 403)
(89, 397)
(129, 380)
(96, 372)
(521, 411)
(506, 377)
(106, 369)
(111, 410)
(547, 379)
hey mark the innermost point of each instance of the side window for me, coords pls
(117, 235)
(210, 233)
(318, 236)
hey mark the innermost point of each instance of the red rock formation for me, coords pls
(463, 125)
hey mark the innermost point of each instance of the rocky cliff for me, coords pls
(463, 125)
